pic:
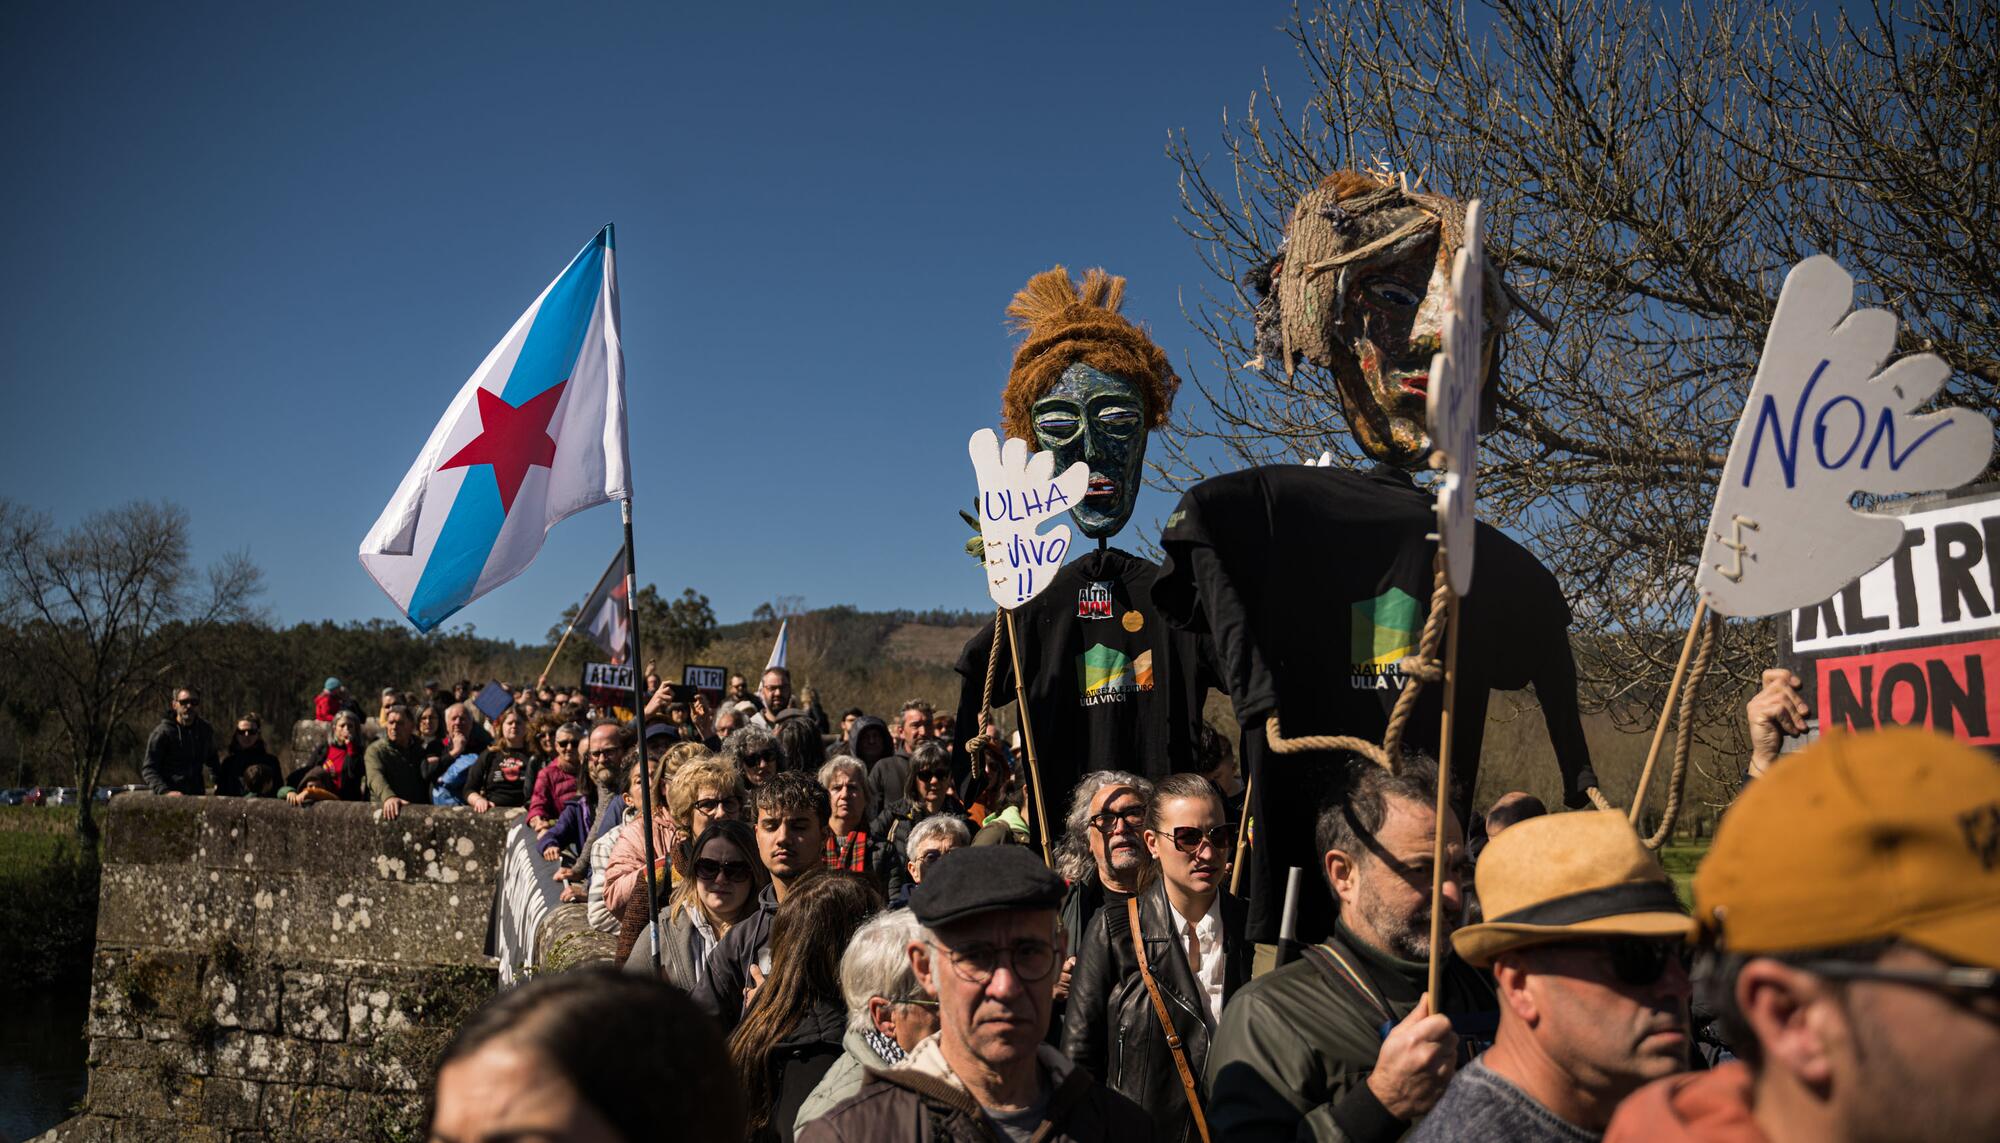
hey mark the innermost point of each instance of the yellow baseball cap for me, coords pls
(1861, 837)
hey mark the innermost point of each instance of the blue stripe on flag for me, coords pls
(547, 358)
(459, 555)
(549, 354)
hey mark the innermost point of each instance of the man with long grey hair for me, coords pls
(1101, 853)
(888, 1012)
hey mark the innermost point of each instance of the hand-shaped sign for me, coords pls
(1451, 402)
(1017, 491)
(1820, 425)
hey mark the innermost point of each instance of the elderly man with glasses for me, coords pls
(988, 953)
(180, 748)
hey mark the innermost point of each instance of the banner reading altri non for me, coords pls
(608, 685)
(1916, 642)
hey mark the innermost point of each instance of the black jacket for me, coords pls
(720, 993)
(1111, 1028)
(176, 755)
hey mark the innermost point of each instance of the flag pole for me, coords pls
(1436, 977)
(1028, 741)
(639, 720)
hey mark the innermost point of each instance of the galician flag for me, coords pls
(536, 434)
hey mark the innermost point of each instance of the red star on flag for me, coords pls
(512, 439)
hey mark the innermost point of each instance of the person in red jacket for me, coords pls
(330, 701)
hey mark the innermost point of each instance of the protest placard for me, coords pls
(708, 680)
(1820, 425)
(1451, 402)
(608, 685)
(1916, 641)
(492, 699)
(1018, 492)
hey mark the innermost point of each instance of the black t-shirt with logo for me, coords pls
(1110, 686)
(1314, 584)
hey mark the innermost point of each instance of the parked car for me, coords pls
(12, 797)
(34, 797)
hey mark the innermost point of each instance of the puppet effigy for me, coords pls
(1316, 582)
(1110, 686)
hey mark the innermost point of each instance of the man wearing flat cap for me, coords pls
(1588, 948)
(989, 953)
(1850, 918)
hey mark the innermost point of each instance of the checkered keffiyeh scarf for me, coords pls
(848, 853)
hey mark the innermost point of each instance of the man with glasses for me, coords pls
(888, 1014)
(1588, 947)
(1850, 918)
(774, 693)
(789, 815)
(989, 953)
(395, 764)
(930, 840)
(1102, 852)
(1301, 1051)
(180, 748)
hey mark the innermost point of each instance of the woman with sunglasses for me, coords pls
(1191, 935)
(927, 792)
(246, 749)
(724, 878)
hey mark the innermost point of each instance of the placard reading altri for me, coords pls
(1916, 641)
(608, 685)
(708, 680)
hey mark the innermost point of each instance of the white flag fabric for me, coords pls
(779, 648)
(535, 435)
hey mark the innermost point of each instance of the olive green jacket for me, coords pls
(1295, 1046)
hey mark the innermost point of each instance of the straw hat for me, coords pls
(1565, 877)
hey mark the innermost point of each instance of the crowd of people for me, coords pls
(848, 947)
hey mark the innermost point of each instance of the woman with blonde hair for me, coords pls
(685, 802)
(722, 885)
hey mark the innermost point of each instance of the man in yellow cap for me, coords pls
(1588, 945)
(1852, 906)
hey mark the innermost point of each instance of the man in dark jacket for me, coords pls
(989, 953)
(180, 748)
(1300, 1053)
(789, 813)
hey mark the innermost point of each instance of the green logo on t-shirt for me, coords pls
(1384, 629)
(1106, 674)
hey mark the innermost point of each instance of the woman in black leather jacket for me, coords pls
(1112, 1027)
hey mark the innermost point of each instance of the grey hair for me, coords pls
(848, 763)
(461, 707)
(349, 716)
(747, 740)
(877, 963)
(949, 825)
(1073, 859)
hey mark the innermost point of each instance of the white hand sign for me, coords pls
(1017, 492)
(1820, 425)
(1451, 402)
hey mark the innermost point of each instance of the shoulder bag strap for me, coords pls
(1166, 1021)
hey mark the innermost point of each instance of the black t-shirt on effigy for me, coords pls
(1314, 584)
(1110, 686)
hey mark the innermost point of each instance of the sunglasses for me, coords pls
(186, 702)
(1640, 961)
(709, 869)
(932, 775)
(1188, 839)
(1107, 821)
(710, 805)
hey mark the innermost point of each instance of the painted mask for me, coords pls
(1099, 419)
(1360, 290)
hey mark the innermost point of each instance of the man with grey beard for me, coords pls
(1300, 1052)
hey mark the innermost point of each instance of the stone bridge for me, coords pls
(266, 971)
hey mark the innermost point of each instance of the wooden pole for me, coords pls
(546, 667)
(1028, 741)
(1666, 714)
(1242, 839)
(1443, 802)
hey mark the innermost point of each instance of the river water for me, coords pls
(42, 1055)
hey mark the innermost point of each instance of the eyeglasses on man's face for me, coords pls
(1640, 962)
(1977, 990)
(1188, 839)
(1107, 820)
(187, 702)
(1031, 960)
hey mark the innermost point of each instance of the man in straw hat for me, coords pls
(1587, 945)
(1851, 909)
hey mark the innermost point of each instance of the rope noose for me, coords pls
(976, 745)
(1684, 732)
(1420, 668)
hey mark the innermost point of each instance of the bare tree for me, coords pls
(93, 622)
(1650, 177)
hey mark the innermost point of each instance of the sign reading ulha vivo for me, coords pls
(1915, 642)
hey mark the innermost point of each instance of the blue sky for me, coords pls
(253, 250)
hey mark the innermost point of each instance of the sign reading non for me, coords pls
(1018, 492)
(708, 680)
(608, 685)
(1451, 402)
(1916, 641)
(1824, 421)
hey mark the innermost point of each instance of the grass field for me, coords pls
(1680, 861)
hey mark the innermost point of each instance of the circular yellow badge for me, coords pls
(1132, 620)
